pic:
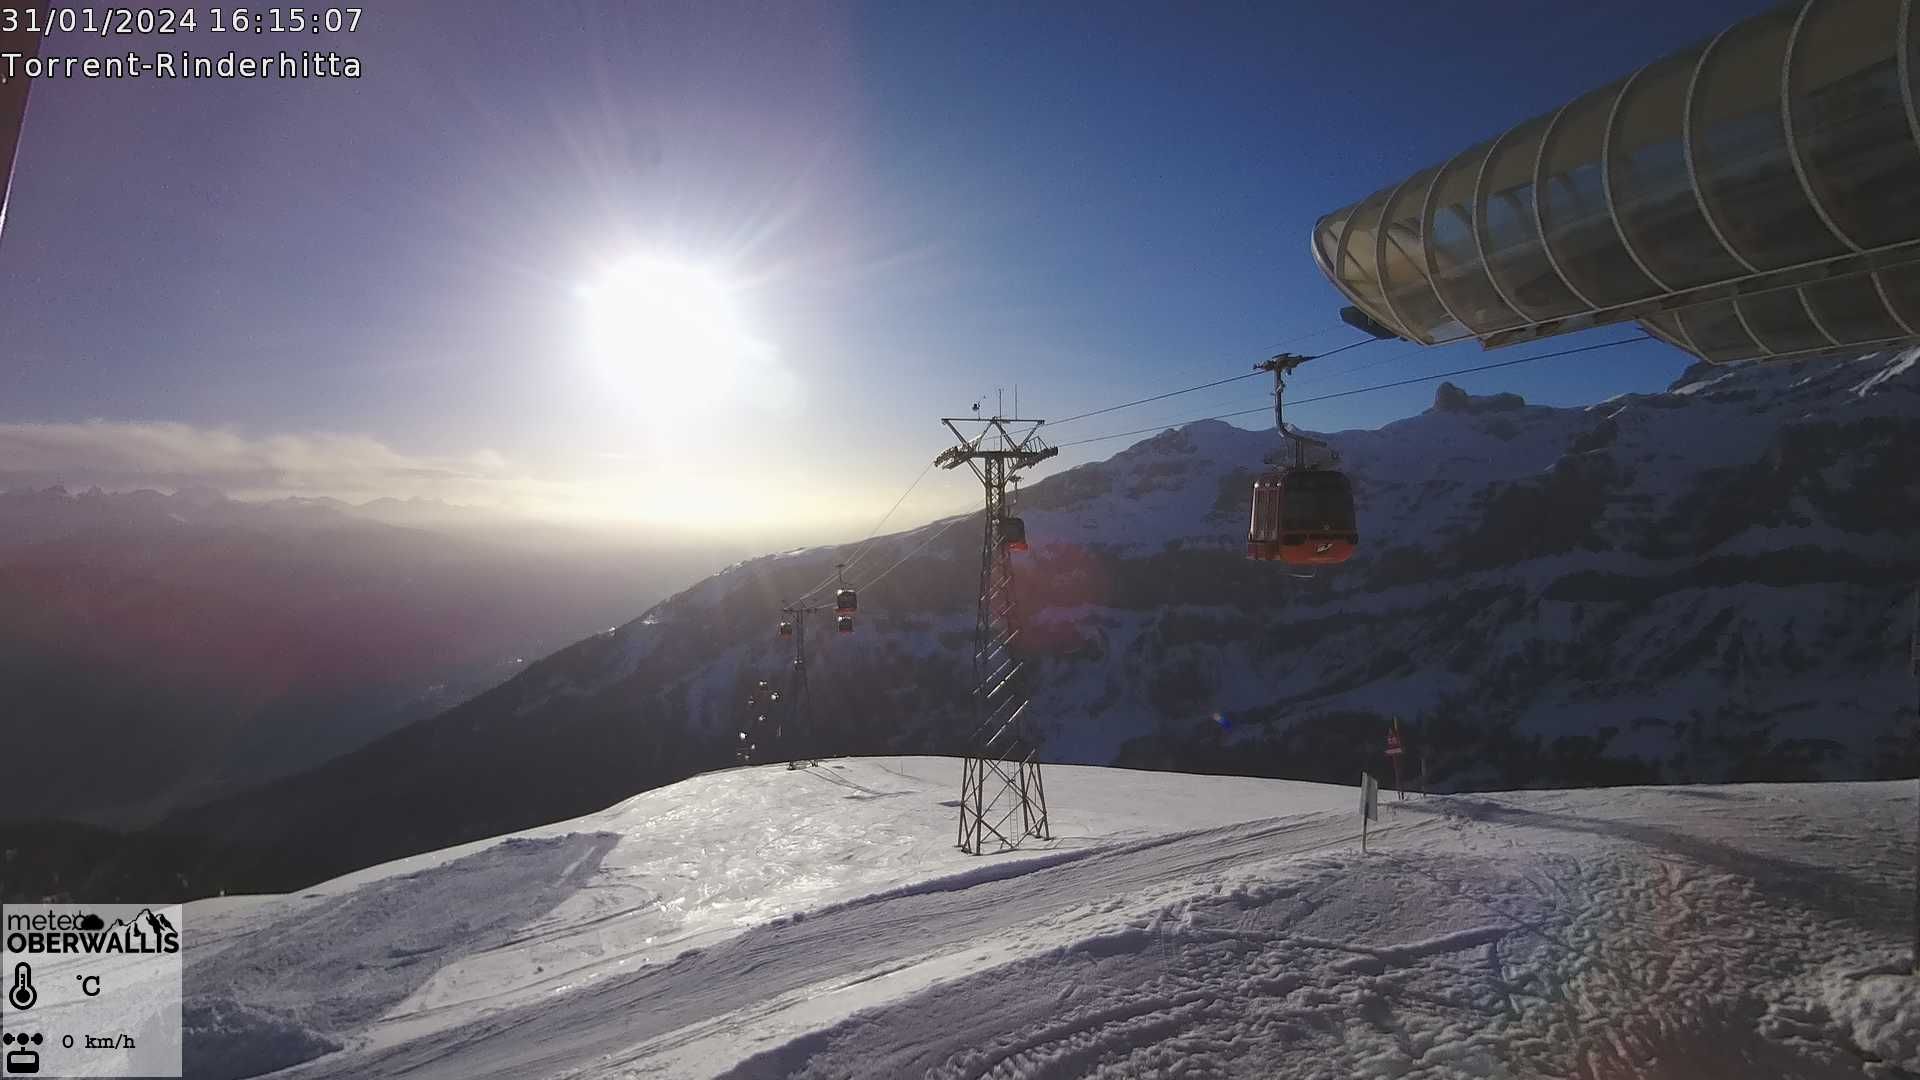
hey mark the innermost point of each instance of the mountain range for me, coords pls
(1711, 583)
(158, 650)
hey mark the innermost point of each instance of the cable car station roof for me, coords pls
(1756, 195)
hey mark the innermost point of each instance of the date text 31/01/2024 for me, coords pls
(105, 22)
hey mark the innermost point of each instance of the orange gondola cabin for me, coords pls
(1303, 517)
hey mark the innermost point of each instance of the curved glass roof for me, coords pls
(1755, 195)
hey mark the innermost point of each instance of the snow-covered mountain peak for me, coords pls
(1450, 398)
(1700, 584)
(1477, 492)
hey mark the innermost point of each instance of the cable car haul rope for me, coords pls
(1302, 514)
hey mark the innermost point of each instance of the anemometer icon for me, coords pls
(19, 1058)
(23, 995)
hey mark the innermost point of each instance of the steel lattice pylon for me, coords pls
(1000, 775)
(797, 733)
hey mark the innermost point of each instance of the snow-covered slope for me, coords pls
(768, 923)
(1707, 584)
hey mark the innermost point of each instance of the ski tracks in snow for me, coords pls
(1634, 953)
(1707, 933)
(615, 1026)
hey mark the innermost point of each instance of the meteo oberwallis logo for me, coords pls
(84, 933)
(92, 989)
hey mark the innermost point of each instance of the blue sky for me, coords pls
(374, 287)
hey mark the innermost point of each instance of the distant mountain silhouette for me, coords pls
(214, 643)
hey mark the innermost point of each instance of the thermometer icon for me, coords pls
(23, 995)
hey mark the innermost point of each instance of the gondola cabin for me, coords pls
(1013, 534)
(786, 629)
(845, 623)
(1303, 517)
(845, 602)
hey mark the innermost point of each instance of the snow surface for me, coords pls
(766, 923)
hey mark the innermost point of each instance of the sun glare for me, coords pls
(673, 329)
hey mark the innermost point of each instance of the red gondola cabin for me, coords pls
(1013, 533)
(1303, 517)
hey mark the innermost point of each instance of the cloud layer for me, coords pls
(124, 456)
(624, 490)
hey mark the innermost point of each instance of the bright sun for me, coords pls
(672, 328)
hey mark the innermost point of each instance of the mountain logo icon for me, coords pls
(147, 932)
(159, 923)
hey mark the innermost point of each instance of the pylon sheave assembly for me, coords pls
(1002, 798)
